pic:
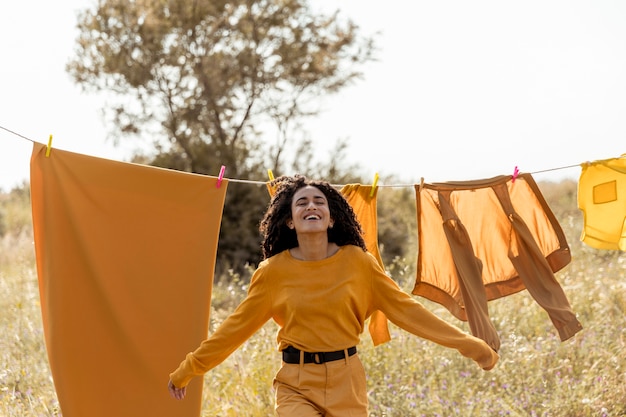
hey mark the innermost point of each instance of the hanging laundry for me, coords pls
(362, 199)
(469, 271)
(602, 199)
(125, 258)
(498, 238)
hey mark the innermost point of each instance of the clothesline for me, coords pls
(247, 181)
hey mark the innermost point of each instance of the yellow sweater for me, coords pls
(322, 306)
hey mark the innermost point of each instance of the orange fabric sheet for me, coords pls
(125, 259)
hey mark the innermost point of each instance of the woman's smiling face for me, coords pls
(310, 211)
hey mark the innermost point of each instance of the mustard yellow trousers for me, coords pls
(330, 389)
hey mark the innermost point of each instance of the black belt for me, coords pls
(292, 355)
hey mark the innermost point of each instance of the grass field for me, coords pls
(538, 375)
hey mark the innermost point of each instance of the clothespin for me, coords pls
(49, 147)
(421, 184)
(270, 189)
(220, 177)
(374, 185)
(515, 174)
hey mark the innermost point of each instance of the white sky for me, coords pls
(463, 89)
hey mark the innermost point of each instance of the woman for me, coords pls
(319, 284)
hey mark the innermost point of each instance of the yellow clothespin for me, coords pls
(270, 189)
(374, 185)
(49, 147)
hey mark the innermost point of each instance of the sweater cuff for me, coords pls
(185, 372)
(489, 362)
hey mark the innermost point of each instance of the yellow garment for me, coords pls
(363, 202)
(337, 388)
(322, 306)
(602, 199)
(121, 250)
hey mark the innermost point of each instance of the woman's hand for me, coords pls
(176, 393)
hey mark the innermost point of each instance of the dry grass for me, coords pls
(538, 374)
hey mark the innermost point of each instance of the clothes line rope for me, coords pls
(246, 181)
(16, 134)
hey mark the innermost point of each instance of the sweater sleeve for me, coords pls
(410, 315)
(253, 312)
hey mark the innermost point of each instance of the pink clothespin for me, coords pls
(515, 174)
(221, 177)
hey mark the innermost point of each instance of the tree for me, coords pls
(207, 79)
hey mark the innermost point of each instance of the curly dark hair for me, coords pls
(277, 237)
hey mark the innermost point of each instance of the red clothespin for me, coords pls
(515, 174)
(221, 177)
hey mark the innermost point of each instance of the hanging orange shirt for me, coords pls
(487, 239)
(602, 199)
(121, 250)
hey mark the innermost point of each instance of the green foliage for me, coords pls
(204, 78)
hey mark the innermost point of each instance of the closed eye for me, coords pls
(320, 201)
